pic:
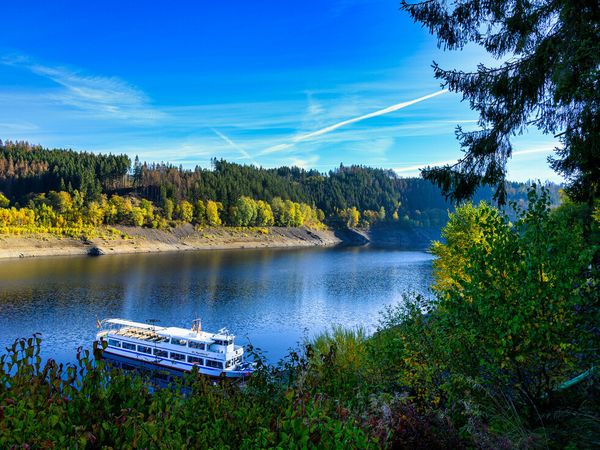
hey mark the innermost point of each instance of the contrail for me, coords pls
(244, 153)
(542, 149)
(420, 166)
(322, 131)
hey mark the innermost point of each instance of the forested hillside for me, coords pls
(91, 189)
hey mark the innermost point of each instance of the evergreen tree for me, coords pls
(548, 76)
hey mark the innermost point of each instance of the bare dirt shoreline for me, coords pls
(144, 240)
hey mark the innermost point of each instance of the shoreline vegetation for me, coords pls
(501, 354)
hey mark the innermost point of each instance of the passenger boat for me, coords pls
(214, 354)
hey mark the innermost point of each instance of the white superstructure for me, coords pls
(214, 354)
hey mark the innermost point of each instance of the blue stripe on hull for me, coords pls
(143, 357)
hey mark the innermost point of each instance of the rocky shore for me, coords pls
(185, 237)
(144, 240)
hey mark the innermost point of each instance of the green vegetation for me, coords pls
(502, 355)
(86, 406)
(26, 169)
(71, 193)
(63, 214)
(546, 76)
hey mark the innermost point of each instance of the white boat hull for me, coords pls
(176, 365)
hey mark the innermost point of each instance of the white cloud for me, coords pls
(98, 95)
(304, 163)
(314, 108)
(20, 126)
(66, 113)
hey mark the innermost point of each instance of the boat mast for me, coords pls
(197, 325)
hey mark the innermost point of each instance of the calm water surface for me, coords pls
(272, 297)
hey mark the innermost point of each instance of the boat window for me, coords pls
(114, 343)
(195, 360)
(161, 353)
(178, 341)
(198, 345)
(229, 363)
(128, 346)
(144, 349)
(177, 356)
(215, 364)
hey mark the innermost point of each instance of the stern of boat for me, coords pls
(244, 370)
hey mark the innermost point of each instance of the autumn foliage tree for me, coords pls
(213, 210)
(185, 211)
(264, 214)
(4, 202)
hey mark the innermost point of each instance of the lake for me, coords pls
(272, 297)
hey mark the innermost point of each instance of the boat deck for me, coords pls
(144, 335)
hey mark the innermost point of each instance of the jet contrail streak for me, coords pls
(244, 153)
(420, 166)
(542, 149)
(329, 129)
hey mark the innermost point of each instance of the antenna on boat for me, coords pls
(197, 325)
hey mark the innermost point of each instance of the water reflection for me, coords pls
(269, 295)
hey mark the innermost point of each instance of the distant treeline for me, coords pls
(356, 195)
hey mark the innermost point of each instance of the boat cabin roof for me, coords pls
(129, 323)
(177, 332)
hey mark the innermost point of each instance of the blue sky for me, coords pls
(312, 83)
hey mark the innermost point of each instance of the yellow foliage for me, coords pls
(212, 213)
